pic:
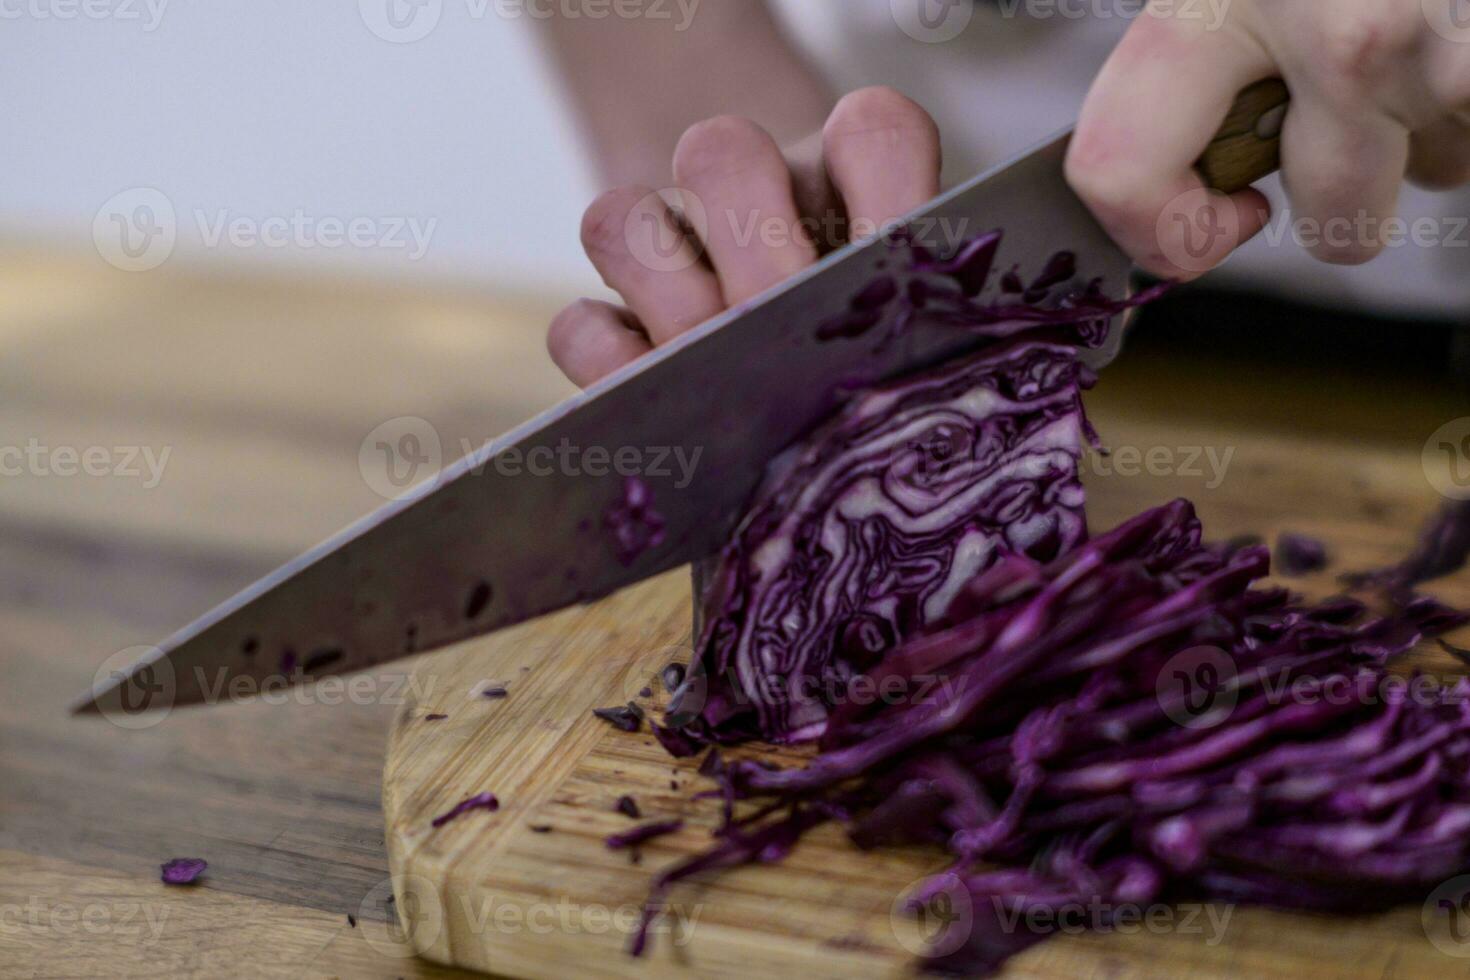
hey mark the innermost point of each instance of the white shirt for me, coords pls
(1008, 79)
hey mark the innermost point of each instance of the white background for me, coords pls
(264, 107)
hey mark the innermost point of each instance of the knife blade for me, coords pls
(485, 544)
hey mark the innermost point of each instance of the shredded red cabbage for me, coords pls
(625, 717)
(484, 801)
(183, 871)
(642, 834)
(1443, 549)
(1297, 554)
(1122, 720)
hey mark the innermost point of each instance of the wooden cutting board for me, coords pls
(489, 892)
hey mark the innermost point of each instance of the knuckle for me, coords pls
(1362, 47)
(1110, 191)
(721, 146)
(605, 220)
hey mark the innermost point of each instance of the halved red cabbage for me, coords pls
(866, 532)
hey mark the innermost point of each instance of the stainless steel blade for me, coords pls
(481, 547)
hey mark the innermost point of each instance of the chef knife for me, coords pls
(495, 539)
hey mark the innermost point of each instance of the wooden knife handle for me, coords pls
(1248, 145)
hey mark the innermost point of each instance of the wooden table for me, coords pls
(261, 389)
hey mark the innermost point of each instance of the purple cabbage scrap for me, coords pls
(484, 801)
(1443, 549)
(1298, 554)
(182, 871)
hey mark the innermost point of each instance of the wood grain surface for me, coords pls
(262, 388)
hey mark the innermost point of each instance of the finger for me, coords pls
(642, 252)
(1131, 159)
(1439, 155)
(882, 152)
(1342, 171)
(736, 176)
(591, 339)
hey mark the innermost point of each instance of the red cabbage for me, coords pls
(1079, 722)
(1297, 554)
(183, 871)
(1443, 548)
(625, 717)
(639, 835)
(864, 534)
(484, 801)
(628, 807)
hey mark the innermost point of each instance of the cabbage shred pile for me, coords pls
(1092, 723)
